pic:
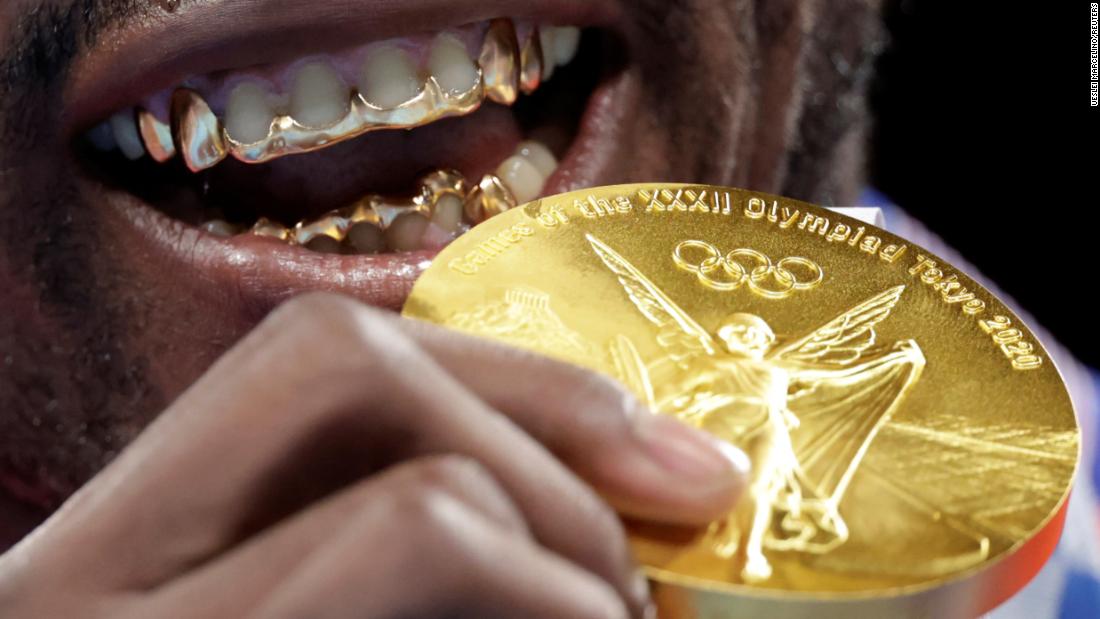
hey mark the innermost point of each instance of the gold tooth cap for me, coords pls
(499, 61)
(197, 131)
(489, 199)
(439, 183)
(332, 225)
(156, 136)
(269, 229)
(363, 212)
(530, 60)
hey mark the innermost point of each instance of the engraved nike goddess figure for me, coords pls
(804, 412)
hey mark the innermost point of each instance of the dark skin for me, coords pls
(100, 336)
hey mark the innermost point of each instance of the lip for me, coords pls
(257, 274)
(194, 40)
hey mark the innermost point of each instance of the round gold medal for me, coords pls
(913, 445)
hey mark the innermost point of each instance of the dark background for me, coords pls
(985, 133)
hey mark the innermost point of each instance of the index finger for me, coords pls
(647, 466)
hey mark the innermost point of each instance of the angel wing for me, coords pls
(843, 389)
(844, 340)
(840, 412)
(679, 333)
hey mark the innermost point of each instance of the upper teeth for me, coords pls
(156, 135)
(249, 113)
(126, 135)
(319, 98)
(389, 77)
(499, 61)
(451, 67)
(320, 108)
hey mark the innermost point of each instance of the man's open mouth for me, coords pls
(389, 146)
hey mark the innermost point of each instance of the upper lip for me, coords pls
(163, 51)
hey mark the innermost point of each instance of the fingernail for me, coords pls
(688, 452)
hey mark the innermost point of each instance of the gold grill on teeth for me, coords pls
(500, 62)
(156, 136)
(505, 69)
(531, 59)
(287, 137)
(359, 227)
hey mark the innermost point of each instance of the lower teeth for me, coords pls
(443, 207)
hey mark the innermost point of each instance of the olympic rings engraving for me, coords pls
(728, 272)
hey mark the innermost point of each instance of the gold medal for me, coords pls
(913, 445)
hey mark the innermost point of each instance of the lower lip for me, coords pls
(260, 273)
